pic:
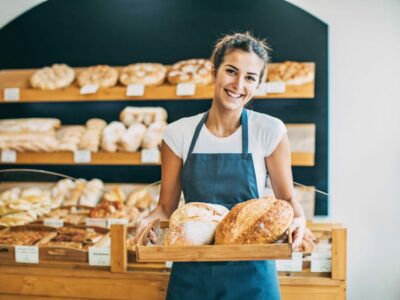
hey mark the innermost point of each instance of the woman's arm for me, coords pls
(171, 167)
(280, 173)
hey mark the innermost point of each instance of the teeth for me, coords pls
(233, 95)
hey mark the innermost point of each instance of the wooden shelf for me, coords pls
(118, 158)
(20, 79)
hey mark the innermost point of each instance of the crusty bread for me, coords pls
(255, 221)
(194, 224)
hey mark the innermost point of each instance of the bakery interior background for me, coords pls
(364, 149)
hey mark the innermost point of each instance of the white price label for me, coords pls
(27, 254)
(291, 265)
(168, 264)
(53, 222)
(89, 89)
(96, 222)
(11, 94)
(135, 90)
(150, 156)
(321, 255)
(112, 221)
(9, 156)
(185, 89)
(276, 87)
(82, 156)
(262, 89)
(321, 265)
(99, 256)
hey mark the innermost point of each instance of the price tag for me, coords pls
(99, 256)
(89, 89)
(168, 264)
(82, 156)
(291, 265)
(262, 89)
(185, 89)
(27, 254)
(11, 94)
(321, 265)
(53, 222)
(321, 255)
(111, 221)
(150, 156)
(9, 156)
(276, 87)
(96, 222)
(135, 90)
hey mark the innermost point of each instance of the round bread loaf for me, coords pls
(196, 71)
(256, 221)
(194, 224)
(57, 76)
(101, 75)
(143, 73)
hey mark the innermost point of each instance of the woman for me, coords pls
(223, 156)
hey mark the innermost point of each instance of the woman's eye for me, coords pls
(230, 71)
(251, 78)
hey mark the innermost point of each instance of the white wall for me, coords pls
(364, 137)
(364, 134)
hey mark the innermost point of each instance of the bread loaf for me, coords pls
(255, 221)
(194, 224)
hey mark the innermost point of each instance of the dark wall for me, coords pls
(119, 32)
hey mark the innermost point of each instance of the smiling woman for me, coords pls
(223, 157)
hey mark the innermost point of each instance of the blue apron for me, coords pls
(225, 179)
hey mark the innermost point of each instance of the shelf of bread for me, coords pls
(286, 81)
(133, 140)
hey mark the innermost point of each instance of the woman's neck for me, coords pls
(223, 123)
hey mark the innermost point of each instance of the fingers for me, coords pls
(153, 237)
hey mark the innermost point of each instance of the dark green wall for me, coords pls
(119, 32)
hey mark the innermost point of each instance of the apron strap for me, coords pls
(245, 134)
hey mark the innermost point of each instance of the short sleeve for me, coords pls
(173, 137)
(274, 135)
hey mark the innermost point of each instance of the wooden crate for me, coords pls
(159, 253)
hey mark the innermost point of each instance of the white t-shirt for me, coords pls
(265, 133)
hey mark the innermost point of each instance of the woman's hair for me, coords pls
(242, 41)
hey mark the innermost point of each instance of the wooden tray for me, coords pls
(159, 253)
(7, 252)
(59, 253)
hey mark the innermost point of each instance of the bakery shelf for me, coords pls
(20, 79)
(118, 158)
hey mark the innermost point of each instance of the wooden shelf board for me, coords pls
(118, 158)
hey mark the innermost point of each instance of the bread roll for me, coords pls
(194, 224)
(255, 221)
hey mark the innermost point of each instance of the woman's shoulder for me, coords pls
(264, 122)
(186, 121)
(184, 125)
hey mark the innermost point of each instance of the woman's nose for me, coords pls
(238, 83)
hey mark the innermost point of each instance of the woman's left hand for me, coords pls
(298, 226)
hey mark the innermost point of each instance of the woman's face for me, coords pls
(237, 79)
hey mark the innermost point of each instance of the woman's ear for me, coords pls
(213, 72)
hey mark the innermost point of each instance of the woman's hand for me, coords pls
(298, 227)
(158, 213)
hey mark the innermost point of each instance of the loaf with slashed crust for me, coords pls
(256, 221)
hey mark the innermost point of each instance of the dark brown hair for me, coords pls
(242, 41)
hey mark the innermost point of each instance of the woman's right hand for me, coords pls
(158, 213)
